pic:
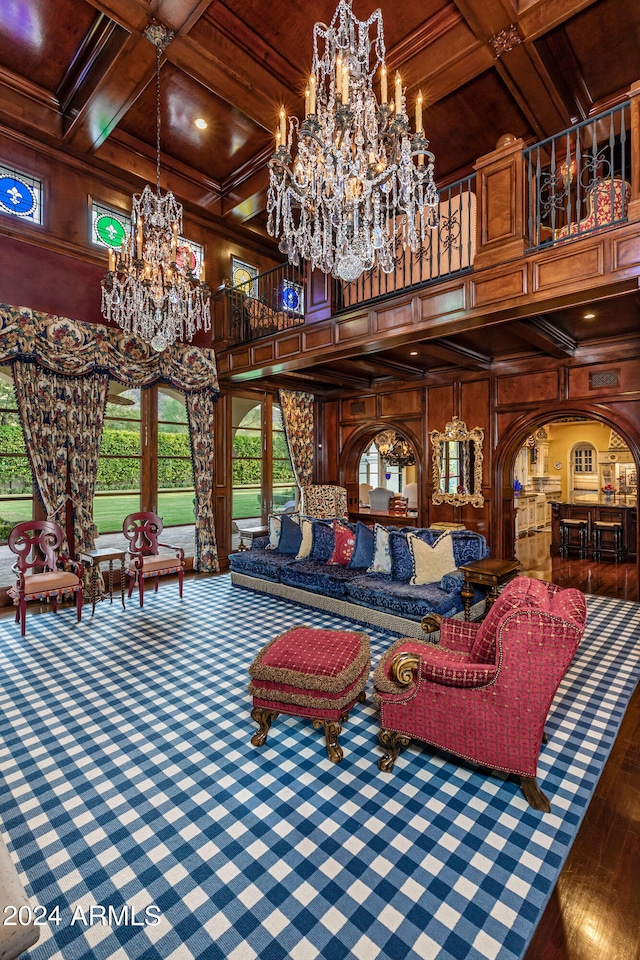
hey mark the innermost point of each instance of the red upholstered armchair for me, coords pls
(36, 544)
(142, 531)
(484, 692)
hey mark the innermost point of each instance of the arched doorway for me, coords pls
(362, 462)
(554, 458)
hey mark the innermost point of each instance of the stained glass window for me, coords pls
(292, 298)
(190, 254)
(110, 227)
(244, 273)
(20, 195)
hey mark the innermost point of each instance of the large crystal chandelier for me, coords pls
(361, 186)
(151, 288)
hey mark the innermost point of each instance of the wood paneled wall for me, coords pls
(56, 269)
(507, 407)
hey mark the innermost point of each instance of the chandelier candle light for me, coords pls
(361, 186)
(151, 288)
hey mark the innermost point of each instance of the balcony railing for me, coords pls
(271, 302)
(447, 249)
(577, 181)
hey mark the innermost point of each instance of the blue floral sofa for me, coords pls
(374, 586)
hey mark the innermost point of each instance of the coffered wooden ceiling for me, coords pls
(79, 76)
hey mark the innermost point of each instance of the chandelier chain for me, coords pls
(153, 289)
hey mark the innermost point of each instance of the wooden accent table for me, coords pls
(94, 558)
(486, 573)
(251, 533)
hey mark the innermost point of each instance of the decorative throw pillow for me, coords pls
(345, 542)
(306, 529)
(401, 560)
(431, 563)
(362, 556)
(323, 540)
(381, 562)
(274, 531)
(290, 535)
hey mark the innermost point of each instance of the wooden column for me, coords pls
(633, 211)
(500, 187)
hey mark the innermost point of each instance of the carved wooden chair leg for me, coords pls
(332, 730)
(264, 719)
(534, 795)
(392, 742)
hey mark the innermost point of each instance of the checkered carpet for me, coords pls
(129, 781)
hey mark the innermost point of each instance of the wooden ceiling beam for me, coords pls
(459, 356)
(379, 363)
(540, 332)
(131, 70)
(28, 107)
(227, 70)
(518, 65)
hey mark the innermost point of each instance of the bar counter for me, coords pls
(617, 509)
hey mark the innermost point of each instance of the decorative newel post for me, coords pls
(633, 211)
(501, 202)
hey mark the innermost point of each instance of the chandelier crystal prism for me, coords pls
(361, 187)
(152, 289)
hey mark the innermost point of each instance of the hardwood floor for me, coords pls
(594, 910)
(606, 579)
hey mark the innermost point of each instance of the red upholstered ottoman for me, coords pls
(304, 672)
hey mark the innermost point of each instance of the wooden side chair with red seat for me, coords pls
(145, 559)
(36, 544)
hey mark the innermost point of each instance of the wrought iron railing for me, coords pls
(271, 302)
(577, 181)
(447, 249)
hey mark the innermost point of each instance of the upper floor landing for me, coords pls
(536, 256)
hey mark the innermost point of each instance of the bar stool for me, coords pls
(579, 542)
(607, 539)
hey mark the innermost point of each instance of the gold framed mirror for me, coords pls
(457, 464)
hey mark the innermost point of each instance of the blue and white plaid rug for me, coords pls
(129, 782)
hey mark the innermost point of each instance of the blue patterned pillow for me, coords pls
(323, 541)
(468, 545)
(381, 562)
(290, 536)
(401, 559)
(363, 554)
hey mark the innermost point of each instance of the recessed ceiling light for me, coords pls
(589, 316)
(200, 123)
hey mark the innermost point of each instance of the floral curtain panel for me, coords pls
(61, 371)
(201, 410)
(62, 421)
(297, 415)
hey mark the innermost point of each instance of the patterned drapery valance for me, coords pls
(75, 348)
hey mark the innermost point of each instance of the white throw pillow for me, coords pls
(274, 531)
(381, 562)
(430, 563)
(307, 539)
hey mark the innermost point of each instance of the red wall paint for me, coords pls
(53, 283)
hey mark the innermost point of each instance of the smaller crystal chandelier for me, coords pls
(151, 288)
(394, 449)
(361, 187)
